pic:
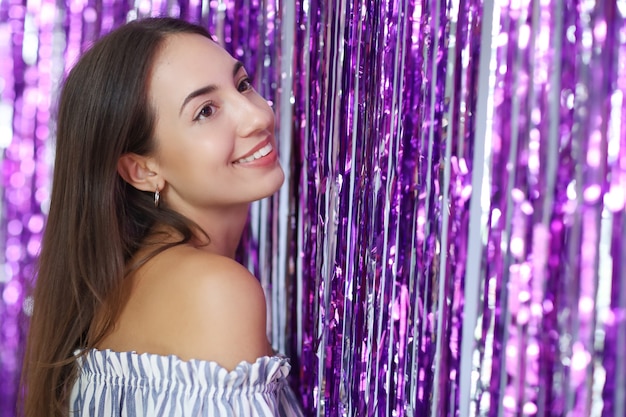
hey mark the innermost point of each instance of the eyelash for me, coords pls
(210, 105)
(202, 116)
(248, 83)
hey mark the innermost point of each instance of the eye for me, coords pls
(245, 85)
(205, 112)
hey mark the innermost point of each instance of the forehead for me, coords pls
(187, 62)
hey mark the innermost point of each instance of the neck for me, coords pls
(223, 227)
(224, 230)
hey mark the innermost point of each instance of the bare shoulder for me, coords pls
(197, 305)
(190, 269)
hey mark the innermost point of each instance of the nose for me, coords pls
(253, 115)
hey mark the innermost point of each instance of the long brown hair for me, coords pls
(97, 222)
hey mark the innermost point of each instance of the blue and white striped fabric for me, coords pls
(127, 384)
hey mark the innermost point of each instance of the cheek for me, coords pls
(204, 148)
(209, 158)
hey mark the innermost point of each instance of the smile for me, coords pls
(265, 150)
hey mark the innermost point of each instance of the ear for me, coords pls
(137, 171)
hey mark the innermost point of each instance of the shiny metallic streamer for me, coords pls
(26, 87)
(461, 127)
(378, 332)
(548, 331)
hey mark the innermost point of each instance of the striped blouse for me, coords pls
(128, 384)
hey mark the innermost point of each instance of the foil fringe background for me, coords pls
(449, 238)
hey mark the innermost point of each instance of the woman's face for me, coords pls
(214, 133)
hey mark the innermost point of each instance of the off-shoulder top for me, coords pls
(127, 384)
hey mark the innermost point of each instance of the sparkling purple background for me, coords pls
(449, 238)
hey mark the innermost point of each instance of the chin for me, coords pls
(263, 185)
(274, 184)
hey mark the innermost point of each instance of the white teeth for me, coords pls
(265, 150)
(258, 154)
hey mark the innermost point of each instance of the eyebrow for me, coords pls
(207, 89)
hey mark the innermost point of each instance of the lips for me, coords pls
(261, 150)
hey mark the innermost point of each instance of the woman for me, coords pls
(140, 309)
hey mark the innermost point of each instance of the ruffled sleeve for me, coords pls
(132, 385)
